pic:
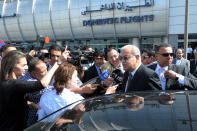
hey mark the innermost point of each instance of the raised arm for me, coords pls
(47, 78)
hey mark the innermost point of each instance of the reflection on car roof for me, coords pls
(133, 111)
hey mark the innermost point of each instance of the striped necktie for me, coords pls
(130, 77)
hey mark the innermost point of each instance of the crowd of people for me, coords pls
(37, 83)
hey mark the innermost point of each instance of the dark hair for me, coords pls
(149, 52)
(62, 75)
(110, 49)
(8, 63)
(162, 45)
(55, 47)
(32, 64)
(98, 53)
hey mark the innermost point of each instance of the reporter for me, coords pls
(12, 90)
(61, 96)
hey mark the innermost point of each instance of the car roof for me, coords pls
(139, 111)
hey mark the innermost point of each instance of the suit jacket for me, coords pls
(143, 79)
(190, 80)
(90, 73)
(193, 66)
(184, 62)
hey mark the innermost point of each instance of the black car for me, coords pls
(137, 111)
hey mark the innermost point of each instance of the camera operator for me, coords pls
(43, 54)
(82, 59)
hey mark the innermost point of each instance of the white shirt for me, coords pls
(160, 72)
(195, 50)
(178, 62)
(189, 50)
(51, 101)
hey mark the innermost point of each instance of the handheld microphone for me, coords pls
(104, 75)
(118, 76)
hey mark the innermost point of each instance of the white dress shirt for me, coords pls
(189, 50)
(178, 62)
(160, 72)
(51, 101)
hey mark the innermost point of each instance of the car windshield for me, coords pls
(134, 111)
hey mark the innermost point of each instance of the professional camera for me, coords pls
(75, 58)
(43, 56)
(81, 58)
(88, 55)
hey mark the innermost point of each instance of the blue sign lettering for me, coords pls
(121, 20)
(7, 16)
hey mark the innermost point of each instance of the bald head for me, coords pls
(179, 54)
(134, 50)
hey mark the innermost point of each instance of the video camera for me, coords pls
(81, 58)
(43, 56)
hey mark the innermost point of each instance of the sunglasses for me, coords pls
(167, 54)
(125, 58)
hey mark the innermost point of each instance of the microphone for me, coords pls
(118, 76)
(104, 75)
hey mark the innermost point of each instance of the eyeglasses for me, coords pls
(125, 58)
(144, 57)
(167, 54)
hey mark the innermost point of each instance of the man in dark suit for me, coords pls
(172, 77)
(94, 70)
(148, 57)
(179, 60)
(193, 65)
(137, 77)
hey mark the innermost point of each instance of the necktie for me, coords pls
(161, 72)
(130, 77)
(100, 71)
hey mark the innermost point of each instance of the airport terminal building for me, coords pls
(98, 23)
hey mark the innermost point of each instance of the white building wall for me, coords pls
(177, 16)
